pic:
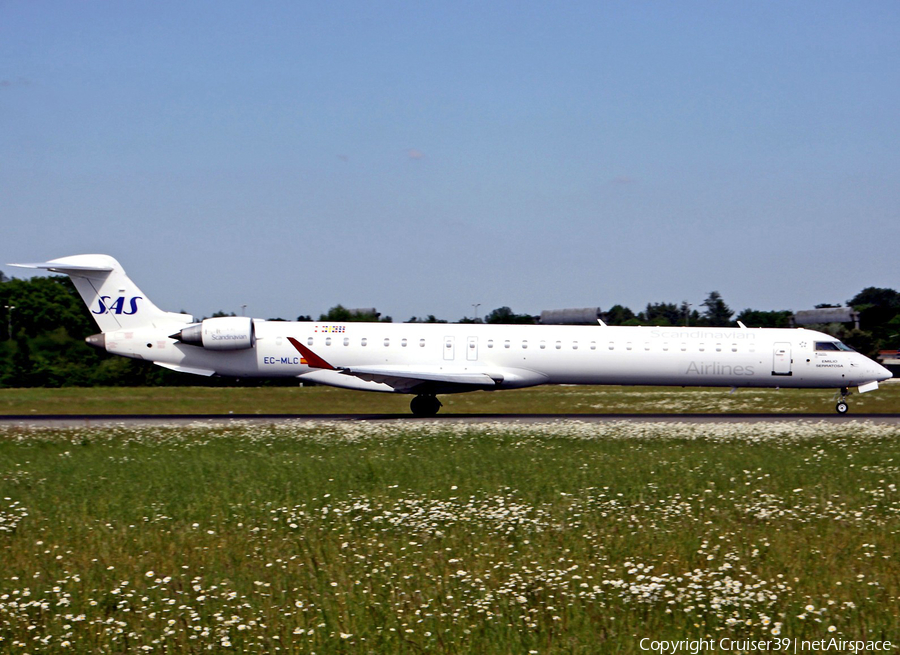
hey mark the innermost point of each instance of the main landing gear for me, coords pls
(425, 405)
(842, 407)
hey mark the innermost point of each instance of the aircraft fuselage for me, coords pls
(524, 355)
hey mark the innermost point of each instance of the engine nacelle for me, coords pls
(223, 333)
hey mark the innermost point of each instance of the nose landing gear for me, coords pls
(842, 407)
(425, 405)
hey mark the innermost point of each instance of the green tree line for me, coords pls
(44, 322)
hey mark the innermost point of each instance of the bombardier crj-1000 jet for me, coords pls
(430, 359)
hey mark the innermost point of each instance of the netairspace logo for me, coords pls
(747, 645)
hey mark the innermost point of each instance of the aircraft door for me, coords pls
(449, 348)
(781, 359)
(472, 349)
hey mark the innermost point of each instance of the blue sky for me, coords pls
(422, 157)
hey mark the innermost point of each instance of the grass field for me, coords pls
(538, 400)
(361, 537)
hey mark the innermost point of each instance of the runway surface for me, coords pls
(82, 420)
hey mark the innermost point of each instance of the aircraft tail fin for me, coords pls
(115, 302)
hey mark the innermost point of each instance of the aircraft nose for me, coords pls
(883, 373)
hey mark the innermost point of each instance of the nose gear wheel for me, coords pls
(842, 407)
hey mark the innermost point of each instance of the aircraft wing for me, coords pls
(401, 378)
(376, 374)
(186, 369)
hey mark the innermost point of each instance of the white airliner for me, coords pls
(430, 359)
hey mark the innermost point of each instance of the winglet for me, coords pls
(312, 359)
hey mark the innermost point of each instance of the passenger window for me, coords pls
(490, 343)
(734, 347)
(403, 343)
(327, 341)
(421, 343)
(524, 344)
(593, 345)
(346, 341)
(718, 347)
(666, 346)
(612, 345)
(506, 344)
(646, 345)
(702, 347)
(387, 342)
(683, 346)
(543, 345)
(309, 341)
(363, 341)
(574, 345)
(628, 346)
(558, 345)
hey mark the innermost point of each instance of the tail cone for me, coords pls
(97, 340)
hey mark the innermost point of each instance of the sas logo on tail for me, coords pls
(118, 306)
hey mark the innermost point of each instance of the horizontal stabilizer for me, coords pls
(67, 269)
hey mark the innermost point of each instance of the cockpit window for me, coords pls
(832, 345)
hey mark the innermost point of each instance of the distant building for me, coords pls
(890, 359)
(584, 316)
(826, 315)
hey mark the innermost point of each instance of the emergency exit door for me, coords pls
(781, 359)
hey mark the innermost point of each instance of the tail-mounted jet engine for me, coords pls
(223, 333)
